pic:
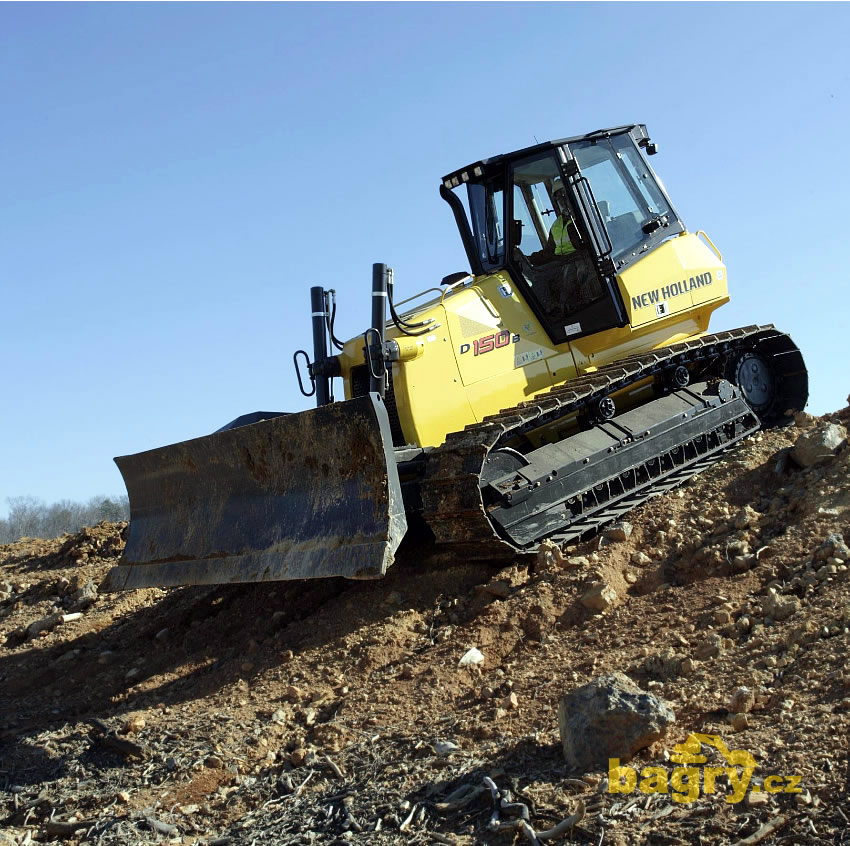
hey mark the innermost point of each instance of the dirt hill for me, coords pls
(337, 712)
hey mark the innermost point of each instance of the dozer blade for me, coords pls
(300, 496)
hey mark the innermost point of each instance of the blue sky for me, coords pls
(176, 176)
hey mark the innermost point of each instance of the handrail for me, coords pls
(710, 244)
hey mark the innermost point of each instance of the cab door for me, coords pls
(571, 294)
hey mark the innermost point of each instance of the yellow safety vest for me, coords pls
(563, 245)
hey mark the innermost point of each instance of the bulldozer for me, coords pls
(564, 379)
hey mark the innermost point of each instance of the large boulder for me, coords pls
(611, 717)
(819, 445)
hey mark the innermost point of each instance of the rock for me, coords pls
(803, 799)
(641, 559)
(213, 762)
(444, 748)
(710, 647)
(549, 555)
(472, 658)
(279, 717)
(630, 577)
(511, 702)
(611, 717)
(618, 531)
(742, 701)
(665, 665)
(406, 671)
(298, 756)
(688, 667)
(134, 724)
(45, 624)
(833, 547)
(578, 561)
(84, 597)
(293, 694)
(500, 588)
(746, 517)
(803, 420)
(756, 800)
(779, 607)
(742, 625)
(818, 445)
(740, 722)
(722, 617)
(487, 692)
(599, 597)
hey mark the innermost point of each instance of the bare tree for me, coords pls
(31, 517)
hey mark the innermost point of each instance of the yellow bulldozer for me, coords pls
(564, 380)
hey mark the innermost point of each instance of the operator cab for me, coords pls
(563, 218)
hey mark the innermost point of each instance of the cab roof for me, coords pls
(477, 169)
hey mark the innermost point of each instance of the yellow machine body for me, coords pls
(488, 351)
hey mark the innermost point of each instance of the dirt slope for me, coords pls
(321, 712)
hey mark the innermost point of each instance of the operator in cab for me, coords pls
(563, 235)
(562, 277)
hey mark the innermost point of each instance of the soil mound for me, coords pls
(340, 712)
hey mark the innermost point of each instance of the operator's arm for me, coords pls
(546, 254)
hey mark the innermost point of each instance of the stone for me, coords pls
(578, 561)
(444, 748)
(833, 547)
(618, 531)
(746, 517)
(779, 607)
(214, 762)
(298, 756)
(818, 445)
(742, 624)
(803, 799)
(665, 665)
(293, 694)
(740, 722)
(599, 597)
(134, 724)
(501, 589)
(45, 624)
(710, 647)
(84, 597)
(756, 800)
(511, 702)
(549, 555)
(641, 559)
(471, 658)
(742, 701)
(722, 617)
(688, 667)
(611, 717)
